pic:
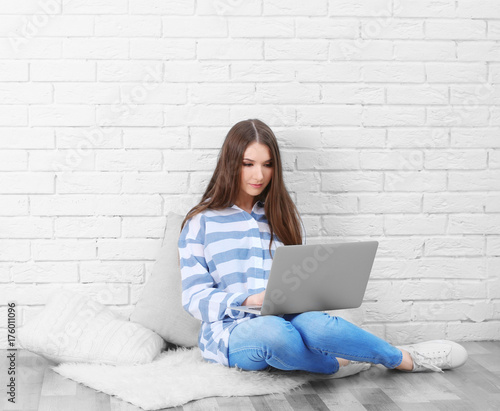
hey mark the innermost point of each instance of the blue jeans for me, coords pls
(310, 341)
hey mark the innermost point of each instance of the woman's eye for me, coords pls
(247, 164)
(269, 165)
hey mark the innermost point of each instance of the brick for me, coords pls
(25, 93)
(14, 70)
(474, 224)
(301, 182)
(25, 227)
(493, 248)
(113, 272)
(229, 8)
(387, 160)
(458, 116)
(128, 26)
(222, 93)
(431, 181)
(45, 273)
(360, 49)
(75, 93)
(89, 205)
(405, 137)
(13, 160)
(120, 249)
(296, 49)
(187, 160)
(158, 7)
(453, 72)
(23, 48)
(425, 8)
(14, 250)
(494, 159)
(130, 115)
(424, 50)
(340, 72)
(377, 8)
(129, 160)
(260, 27)
(277, 115)
(326, 203)
(352, 94)
(493, 30)
(328, 160)
(393, 72)
(436, 267)
(387, 311)
(143, 227)
(13, 116)
(455, 159)
(61, 115)
(196, 115)
(353, 225)
(487, 180)
(400, 247)
(492, 203)
(454, 203)
(149, 48)
(412, 332)
(63, 250)
(417, 94)
(454, 246)
(352, 137)
(14, 205)
(224, 49)
(295, 7)
(153, 93)
(351, 181)
(254, 71)
(129, 71)
(393, 116)
(61, 160)
(95, 48)
(163, 183)
(389, 203)
(480, 94)
(62, 70)
(26, 183)
(326, 28)
(298, 137)
(193, 26)
(329, 115)
(478, 51)
(476, 137)
(391, 28)
(83, 141)
(415, 224)
(455, 29)
(489, 9)
(297, 93)
(87, 227)
(488, 330)
(438, 290)
(198, 182)
(168, 137)
(194, 71)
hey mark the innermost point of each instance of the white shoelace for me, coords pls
(421, 360)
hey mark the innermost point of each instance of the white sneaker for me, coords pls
(436, 355)
(354, 367)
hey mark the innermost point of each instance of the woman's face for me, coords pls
(256, 170)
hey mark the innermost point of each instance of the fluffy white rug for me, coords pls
(179, 376)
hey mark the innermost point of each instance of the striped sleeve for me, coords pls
(200, 297)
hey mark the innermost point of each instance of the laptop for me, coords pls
(316, 277)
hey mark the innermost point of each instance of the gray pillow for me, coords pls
(159, 307)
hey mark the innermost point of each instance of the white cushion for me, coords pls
(74, 328)
(159, 307)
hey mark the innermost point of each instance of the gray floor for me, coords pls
(475, 386)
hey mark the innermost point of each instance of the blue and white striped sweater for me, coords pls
(224, 258)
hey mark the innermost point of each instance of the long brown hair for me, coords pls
(224, 186)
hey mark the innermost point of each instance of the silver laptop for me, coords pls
(319, 277)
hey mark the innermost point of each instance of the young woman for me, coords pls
(226, 247)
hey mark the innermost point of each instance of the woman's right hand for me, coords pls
(255, 299)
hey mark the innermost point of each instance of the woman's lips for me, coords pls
(256, 185)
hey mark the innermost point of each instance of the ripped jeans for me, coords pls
(310, 341)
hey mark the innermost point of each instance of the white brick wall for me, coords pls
(112, 113)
